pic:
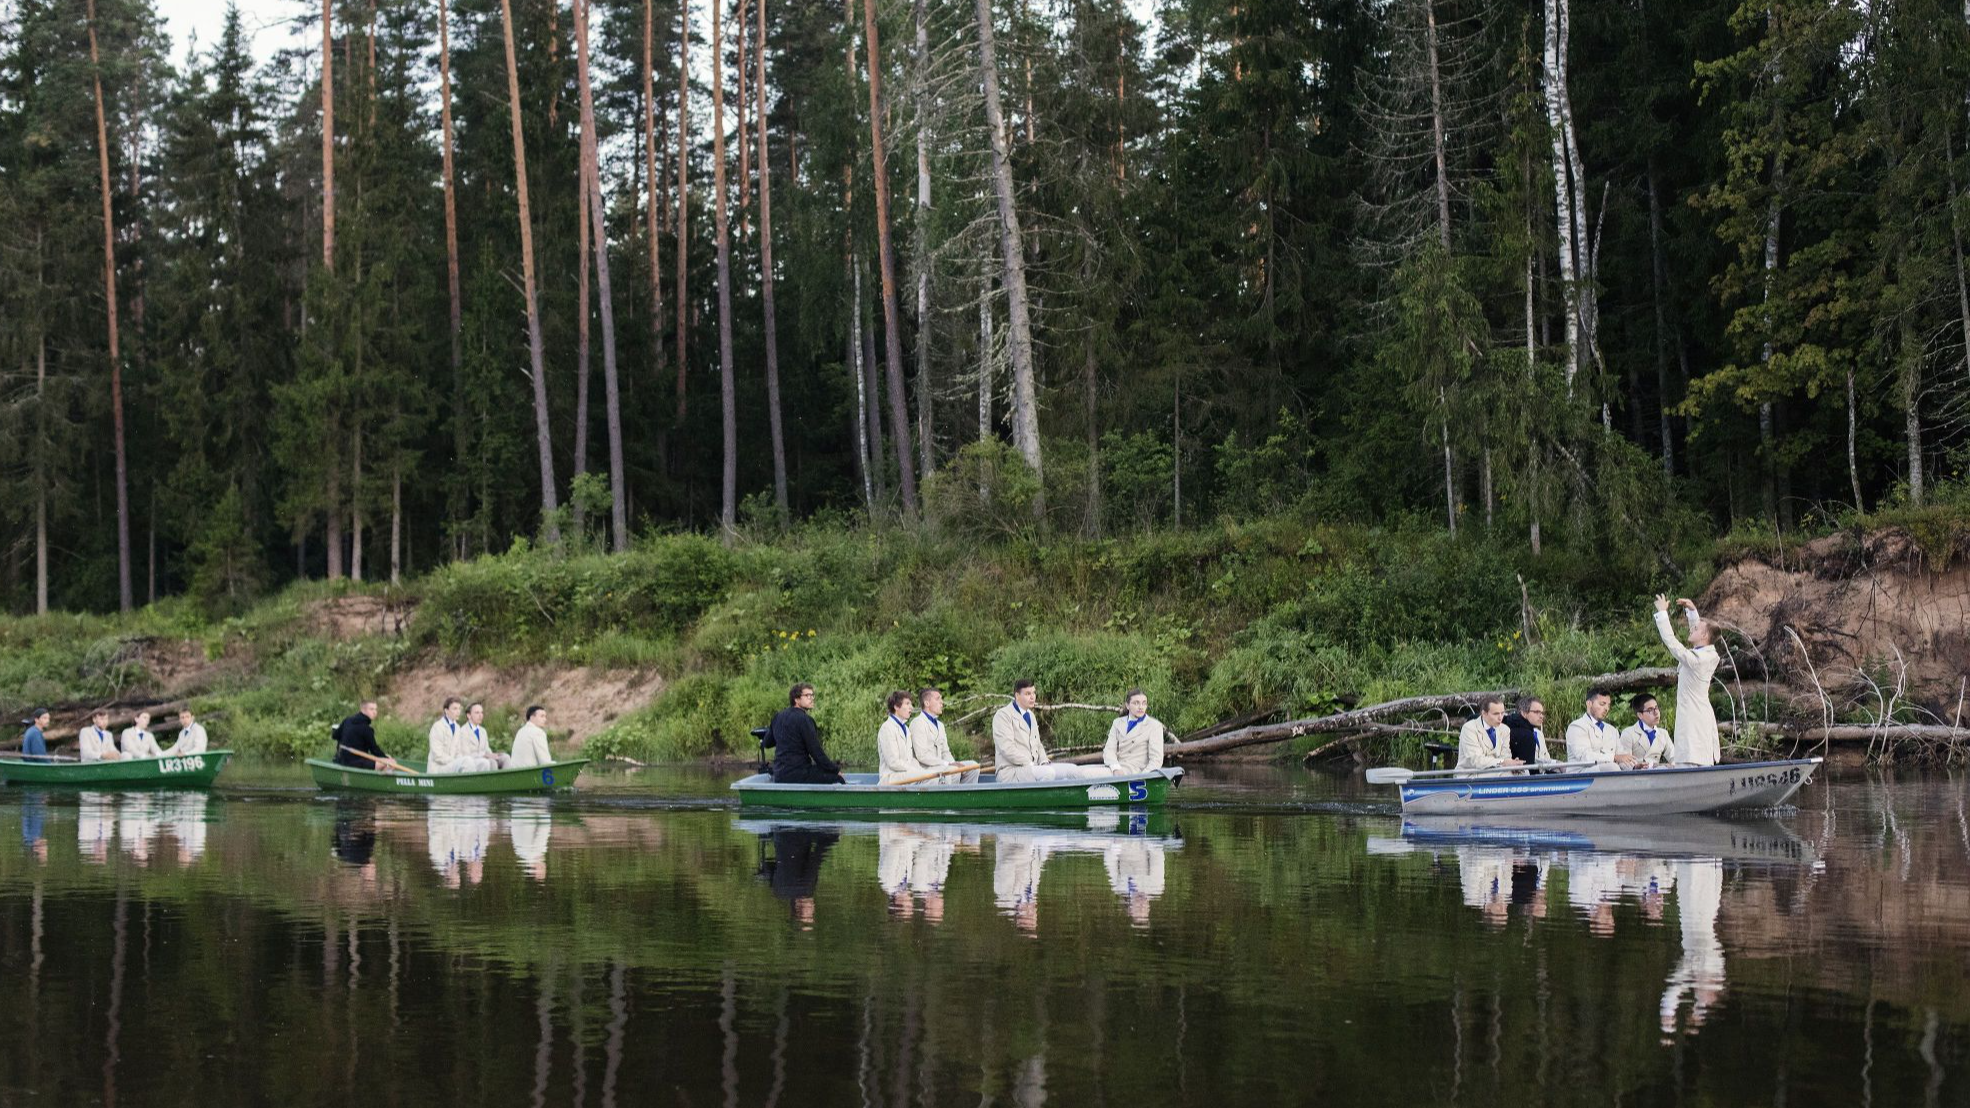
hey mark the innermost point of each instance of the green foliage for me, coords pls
(986, 492)
(527, 599)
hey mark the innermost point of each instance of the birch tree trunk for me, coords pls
(921, 243)
(396, 527)
(772, 335)
(1554, 74)
(1025, 401)
(727, 399)
(1767, 438)
(459, 440)
(863, 456)
(125, 596)
(986, 344)
(892, 322)
(1853, 467)
(1436, 130)
(597, 231)
(543, 435)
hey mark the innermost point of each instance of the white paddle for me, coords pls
(1397, 775)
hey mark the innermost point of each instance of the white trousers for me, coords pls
(465, 763)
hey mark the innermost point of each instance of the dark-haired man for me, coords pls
(530, 742)
(798, 758)
(1592, 739)
(1528, 730)
(1644, 740)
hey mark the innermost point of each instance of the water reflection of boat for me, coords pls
(863, 791)
(458, 831)
(1745, 840)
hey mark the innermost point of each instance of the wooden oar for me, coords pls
(15, 756)
(965, 768)
(387, 763)
(1397, 775)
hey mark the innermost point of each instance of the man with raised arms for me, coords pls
(798, 757)
(895, 759)
(1696, 720)
(191, 736)
(930, 745)
(97, 744)
(1135, 739)
(1591, 739)
(530, 742)
(1644, 740)
(1483, 743)
(137, 741)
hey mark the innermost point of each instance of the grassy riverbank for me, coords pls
(1285, 613)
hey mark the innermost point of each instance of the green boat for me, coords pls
(527, 779)
(176, 771)
(862, 791)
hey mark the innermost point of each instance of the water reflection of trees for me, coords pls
(1270, 935)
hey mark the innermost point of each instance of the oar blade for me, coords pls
(1389, 775)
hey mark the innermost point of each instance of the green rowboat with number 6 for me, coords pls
(528, 779)
(177, 771)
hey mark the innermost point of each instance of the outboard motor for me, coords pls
(765, 737)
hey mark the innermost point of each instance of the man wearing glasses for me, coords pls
(1528, 730)
(1644, 740)
(797, 755)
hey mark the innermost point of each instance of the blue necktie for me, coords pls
(1650, 733)
(1600, 725)
(1493, 732)
(1028, 716)
(1132, 722)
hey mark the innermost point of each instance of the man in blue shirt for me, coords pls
(34, 744)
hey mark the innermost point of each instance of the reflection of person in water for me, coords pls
(34, 835)
(137, 825)
(798, 853)
(1593, 884)
(1135, 871)
(95, 825)
(1016, 879)
(355, 833)
(1700, 975)
(183, 816)
(912, 863)
(530, 823)
(457, 831)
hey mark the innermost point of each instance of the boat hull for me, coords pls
(528, 779)
(178, 771)
(988, 794)
(1667, 791)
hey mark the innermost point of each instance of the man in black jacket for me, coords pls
(356, 734)
(798, 758)
(1527, 728)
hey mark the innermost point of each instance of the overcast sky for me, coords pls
(265, 20)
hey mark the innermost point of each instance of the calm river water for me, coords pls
(1274, 937)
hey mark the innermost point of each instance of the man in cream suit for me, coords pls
(1483, 743)
(930, 745)
(1016, 745)
(1591, 738)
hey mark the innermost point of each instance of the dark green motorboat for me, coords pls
(527, 779)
